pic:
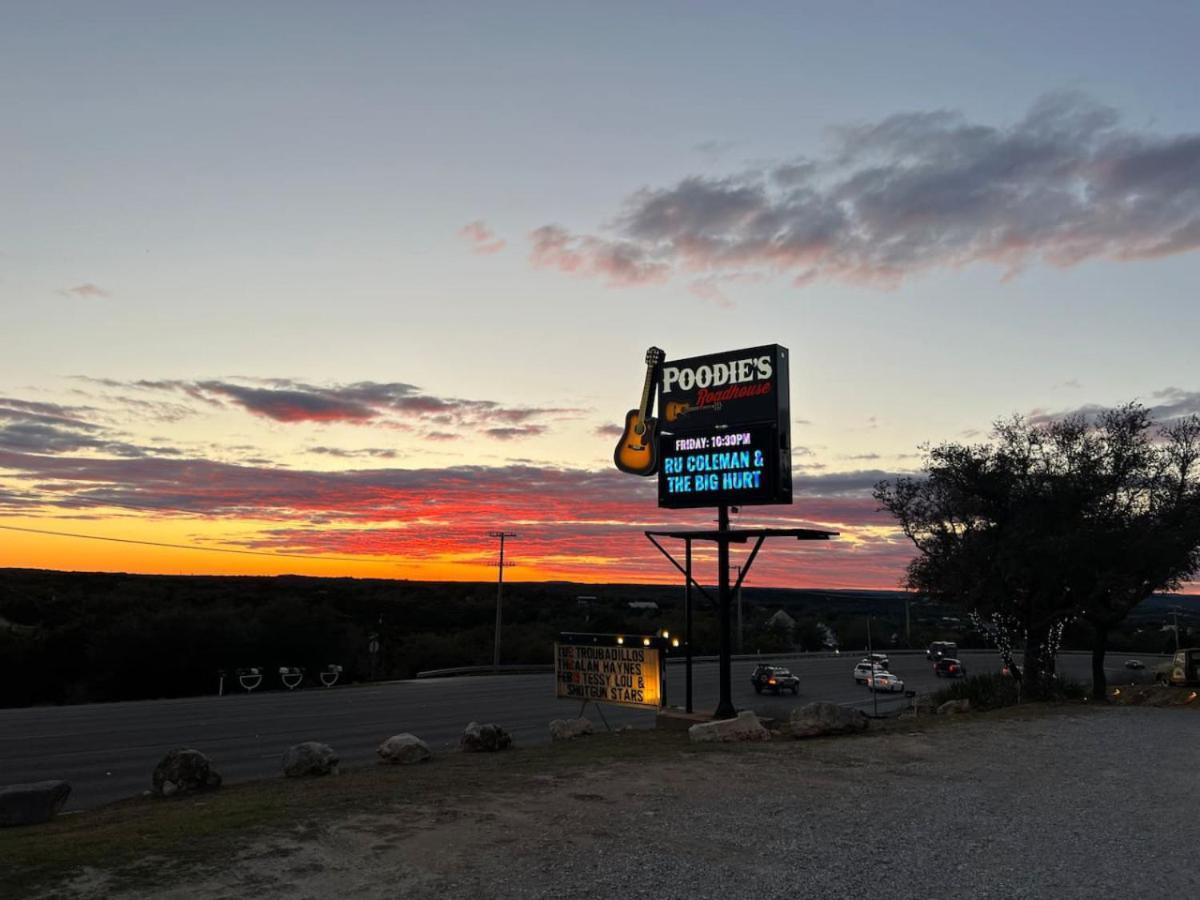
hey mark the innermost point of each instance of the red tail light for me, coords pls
(954, 668)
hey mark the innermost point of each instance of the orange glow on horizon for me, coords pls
(633, 561)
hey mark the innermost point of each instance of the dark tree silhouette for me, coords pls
(1050, 522)
(1144, 535)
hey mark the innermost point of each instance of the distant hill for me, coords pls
(80, 636)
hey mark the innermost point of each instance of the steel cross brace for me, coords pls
(697, 585)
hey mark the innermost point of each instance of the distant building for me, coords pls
(828, 638)
(781, 620)
(643, 605)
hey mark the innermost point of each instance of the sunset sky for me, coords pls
(345, 286)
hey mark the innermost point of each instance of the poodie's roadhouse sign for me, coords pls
(725, 429)
(607, 670)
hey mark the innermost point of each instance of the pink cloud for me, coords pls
(482, 239)
(620, 263)
(87, 291)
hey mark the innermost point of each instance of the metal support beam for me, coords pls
(687, 622)
(686, 572)
(723, 536)
(725, 708)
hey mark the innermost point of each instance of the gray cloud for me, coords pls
(375, 452)
(509, 432)
(1064, 184)
(1164, 406)
(35, 427)
(388, 404)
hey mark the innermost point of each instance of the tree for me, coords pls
(1145, 535)
(1050, 522)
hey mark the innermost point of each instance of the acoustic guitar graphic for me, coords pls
(636, 453)
(674, 411)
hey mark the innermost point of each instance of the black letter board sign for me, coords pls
(725, 429)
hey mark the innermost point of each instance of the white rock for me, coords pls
(309, 758)
(816, 719)
(487, 738)
(953, 707)
(32, 804)
(745, 727)
(404, 749)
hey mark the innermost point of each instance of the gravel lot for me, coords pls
(1067, 804)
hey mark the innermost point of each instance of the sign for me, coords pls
(618, 674)
(736, 387)
(724, 429)
(714, 466)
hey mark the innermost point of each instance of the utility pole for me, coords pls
(907, 623)
(1175, 615)
(499, 591)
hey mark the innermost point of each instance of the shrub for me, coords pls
(989, 691)
(992, 691)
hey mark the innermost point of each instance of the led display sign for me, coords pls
(714, 466)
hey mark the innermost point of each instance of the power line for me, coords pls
(117, 540)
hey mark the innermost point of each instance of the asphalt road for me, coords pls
(107, 751)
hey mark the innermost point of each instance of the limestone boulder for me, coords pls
(182, 771)
(954, 707)
(566, 729)
(819, 719)
(404, 750)
(744, 727)
(33, 803)
(485, 738)
(309, 758)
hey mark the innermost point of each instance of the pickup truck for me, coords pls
(1182, 671)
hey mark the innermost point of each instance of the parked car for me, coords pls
(1182, 671)
(879, 659)
(864, 669)
(884, 681)
(940, 649)
(774, 679)
(949, 668)
(1134, 664)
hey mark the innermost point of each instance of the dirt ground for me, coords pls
(1071, 803)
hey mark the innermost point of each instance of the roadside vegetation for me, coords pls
(1078, 519)
(992, 691)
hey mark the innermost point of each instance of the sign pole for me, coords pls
(687, 620)
(725, 709)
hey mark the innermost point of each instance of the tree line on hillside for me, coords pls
(1052, 524)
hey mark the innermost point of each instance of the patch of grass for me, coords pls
(992, 691)
(125, 838)
(148, 843)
